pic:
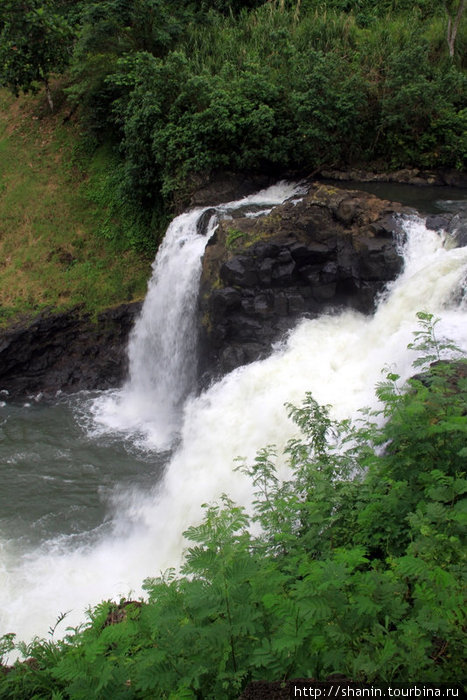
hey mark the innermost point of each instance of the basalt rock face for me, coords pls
(335, 248)
(66, 352)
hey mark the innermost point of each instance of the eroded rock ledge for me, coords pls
(68, 351)
(335, 248)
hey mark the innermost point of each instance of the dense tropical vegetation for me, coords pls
(178, 91)
(356, 565)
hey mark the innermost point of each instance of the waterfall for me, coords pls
(338, 357)
(163, 345)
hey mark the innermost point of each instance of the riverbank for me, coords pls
(52, 251)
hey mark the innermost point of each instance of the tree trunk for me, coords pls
(297, 11)
(48, 95)
(453, 26)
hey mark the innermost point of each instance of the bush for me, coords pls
(419, 102)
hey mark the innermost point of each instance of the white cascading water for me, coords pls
(337, 357)
(162, 348)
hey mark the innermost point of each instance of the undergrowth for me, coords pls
(357, 565)
(52, 251)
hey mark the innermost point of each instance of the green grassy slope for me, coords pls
(51, 254)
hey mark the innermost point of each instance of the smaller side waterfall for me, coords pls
(163, 345)
(162, 348)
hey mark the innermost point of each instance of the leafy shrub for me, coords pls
(305, 112)
(122, 221)
(417, 99)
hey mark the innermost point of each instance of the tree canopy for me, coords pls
(34, 42)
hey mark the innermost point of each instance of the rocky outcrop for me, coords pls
(454, 225)
(408, 176)
(334, 248)
(66, 352)
(218, 187)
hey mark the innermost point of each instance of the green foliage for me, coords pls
(122, 222)
(377, 8)
(233, 237)
(355, 564)
(419, 97)
(330, 93)
(426, 342)
(34, 42)
(51, 255)
(229, 7)
(108, 31)
(119, 27)
(207, 107)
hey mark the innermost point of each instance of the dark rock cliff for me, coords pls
(68, 351)
(334, 248)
